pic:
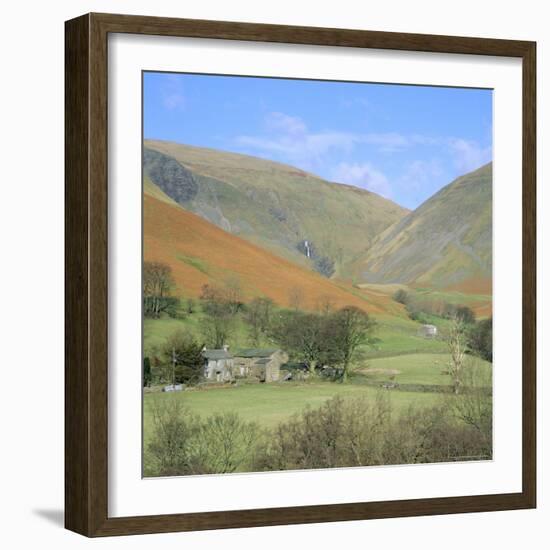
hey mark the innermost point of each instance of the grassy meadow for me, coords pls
(272, 403)
(269, 404)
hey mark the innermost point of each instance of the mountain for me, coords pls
(446, 242)
(201, 253)
(294, 214)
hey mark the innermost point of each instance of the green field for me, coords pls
(269, 404)
(428, 369)
(400, 335)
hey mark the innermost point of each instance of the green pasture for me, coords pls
(270, 404)
(421, 368)
(453, 296)
(398, 336)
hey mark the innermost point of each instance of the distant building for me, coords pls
(221, 365)
(264, 364)
(218, 364)
(428, 331)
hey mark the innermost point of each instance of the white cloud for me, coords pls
(174, 101)
(420, 172)
(363, 175)
(290, 138)
(469, 155)
(390, 142)
(173, 97)
(285, 123)
(356, 101)
(287, 138)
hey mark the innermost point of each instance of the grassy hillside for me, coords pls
(446, 242)
(200, 253)
(271, 204)
(476, 294)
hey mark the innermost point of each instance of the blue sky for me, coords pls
(403, 142)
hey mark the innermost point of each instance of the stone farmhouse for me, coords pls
(221, 365)
(218, 364)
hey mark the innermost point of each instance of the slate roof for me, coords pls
(216, 354)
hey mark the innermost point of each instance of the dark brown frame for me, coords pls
(87, 286)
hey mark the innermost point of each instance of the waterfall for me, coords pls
(308, 252)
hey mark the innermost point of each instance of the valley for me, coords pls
(249, 246)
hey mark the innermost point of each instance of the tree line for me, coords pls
(324, 339)
(328, 337)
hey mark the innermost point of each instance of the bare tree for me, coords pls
(233, 293)
(474, 405)
(217, 329)
(157, 285)
(325, 305)
(296, 298)
(228, 442)
(258, 318)
(182, 443)
(456, 343)
(218, 322)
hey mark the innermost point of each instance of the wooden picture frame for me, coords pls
(86, 283)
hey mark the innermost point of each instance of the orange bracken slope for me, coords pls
(199, 253)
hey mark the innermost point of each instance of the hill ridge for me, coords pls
(446, 240)
(271, 204)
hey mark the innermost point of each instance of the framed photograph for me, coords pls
(300, 275)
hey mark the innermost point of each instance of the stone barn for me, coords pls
(263, 364)
(428, 331)
(218, 364)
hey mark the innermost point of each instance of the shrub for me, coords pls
(480, 339)
(325, 266)
(420, 310)
(364, 432)
(179, 360)
(465, 314)
(401, 296)
(154, 306)
(190, 306)
(184, 444)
